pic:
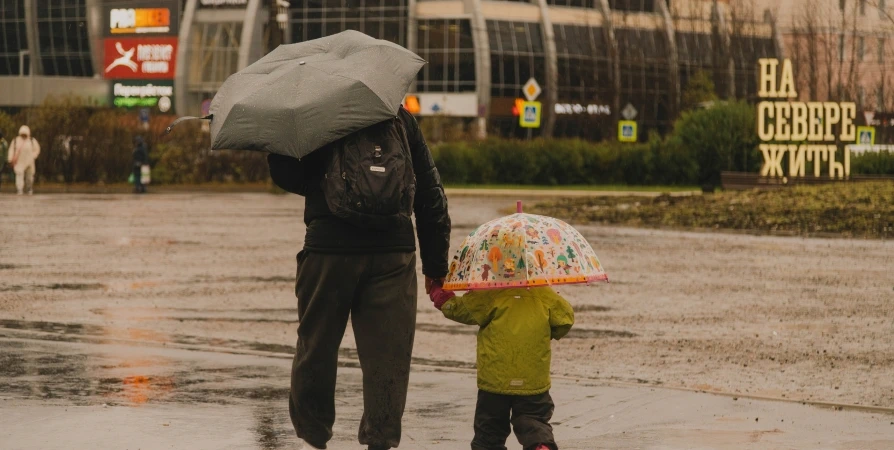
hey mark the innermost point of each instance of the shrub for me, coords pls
(562, 162)
(720, 138)
(873, 163)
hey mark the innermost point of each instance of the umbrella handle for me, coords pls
(184, 118)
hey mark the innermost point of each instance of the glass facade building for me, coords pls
(13, 36)
(590, 57)
(63, 38)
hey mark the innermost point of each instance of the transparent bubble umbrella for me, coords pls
(523, 250)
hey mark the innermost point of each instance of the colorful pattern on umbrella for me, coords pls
(523, 250)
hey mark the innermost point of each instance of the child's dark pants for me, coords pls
(528, 414)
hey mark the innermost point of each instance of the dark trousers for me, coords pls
(138, 186)
(378, 292)
(528, 414)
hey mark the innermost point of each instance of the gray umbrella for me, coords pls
(301, 97)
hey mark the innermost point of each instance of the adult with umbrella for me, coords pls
(328, 112)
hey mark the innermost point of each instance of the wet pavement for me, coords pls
(65, 387)
(168, 321)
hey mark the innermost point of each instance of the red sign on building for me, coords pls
(140, 58)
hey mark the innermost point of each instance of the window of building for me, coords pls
(573, 3)
(881, 50)
(313, 19)
(861, 43)
(842, 4)
(882, 14)
(516, 55)
(63, 38)
(861, 95)
(13, 37)
(747, 49)
(862, 7)
(585, 95)
(448, 47)
(645, 76)
(632, 5)
(841, 48)
(880, 97)
(695, 53)
(214, 54)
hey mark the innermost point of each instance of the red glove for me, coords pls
(439, 296)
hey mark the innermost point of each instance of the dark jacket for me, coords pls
(329, 234)
(140, 153)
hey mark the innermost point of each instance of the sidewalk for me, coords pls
(182, 399)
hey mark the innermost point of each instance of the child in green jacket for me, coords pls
(516, 325)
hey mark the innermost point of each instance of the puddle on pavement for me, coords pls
(53, 287)
(591, 308)
(244, 279)
(232, 320)
(583, 333)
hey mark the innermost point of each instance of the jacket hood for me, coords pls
(25, 130)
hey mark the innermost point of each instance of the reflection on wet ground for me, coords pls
(77, 374)
(52, 287)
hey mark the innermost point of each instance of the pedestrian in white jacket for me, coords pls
(23, 151)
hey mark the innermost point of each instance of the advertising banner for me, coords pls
(141, 18)
(140, 58)
(157, 95)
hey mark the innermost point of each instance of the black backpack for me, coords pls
(369, 180)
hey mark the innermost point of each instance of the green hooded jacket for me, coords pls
(514, 339)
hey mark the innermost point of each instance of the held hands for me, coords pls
(438, 295)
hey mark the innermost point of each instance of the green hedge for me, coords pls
(704, 143)
(563, 162)
(873, 163)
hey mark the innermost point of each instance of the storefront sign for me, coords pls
(143, 94)
(442, 104)
(142, 18)
(577, 108)
(803, 131)
(140, 58)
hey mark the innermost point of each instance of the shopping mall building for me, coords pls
(591, 58)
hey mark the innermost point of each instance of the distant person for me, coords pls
(362, 270)
(140, 158)
(515, 328)
(23, 152)
(4, 154)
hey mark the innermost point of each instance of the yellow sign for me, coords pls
(529, 116)
(794, 133)
(627, 131)
(865, 135)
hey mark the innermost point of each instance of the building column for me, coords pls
(552, 72)
(250, 45)
(33, 39)
(608, 30)
(777, 35)
(482, 63)
(181, 101)
(96, 24)
(412, 29)
(673, 57)
(723, 55)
